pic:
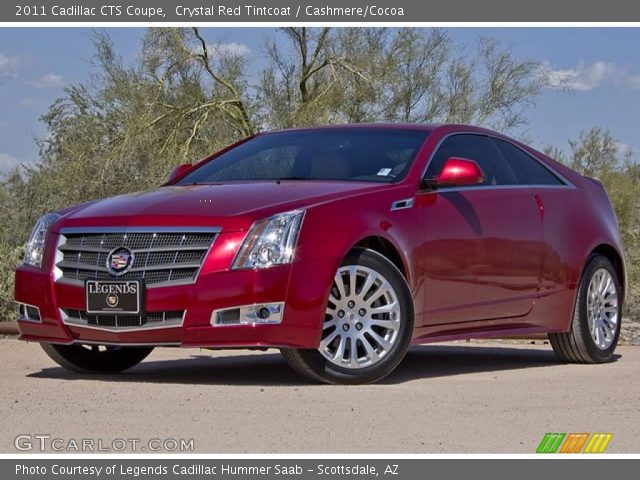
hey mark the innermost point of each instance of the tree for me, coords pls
(406, 75)
(300, 86)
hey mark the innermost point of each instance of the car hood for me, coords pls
(232, 206)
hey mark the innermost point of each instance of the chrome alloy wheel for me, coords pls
(362, 320)
(602, 308)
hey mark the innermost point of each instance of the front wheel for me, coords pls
(597, 316)
(367, 327)
(95, 358)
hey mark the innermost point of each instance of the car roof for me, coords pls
(356, 126)
(427, 127)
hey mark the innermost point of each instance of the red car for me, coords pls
(340, 246)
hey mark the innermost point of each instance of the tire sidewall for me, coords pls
(596, 263)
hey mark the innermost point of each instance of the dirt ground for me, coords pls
(447, 398)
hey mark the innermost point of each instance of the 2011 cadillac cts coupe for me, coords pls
(339, 246)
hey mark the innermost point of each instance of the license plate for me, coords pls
(115, 297)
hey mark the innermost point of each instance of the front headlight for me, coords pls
(271, 241)
(35, 247)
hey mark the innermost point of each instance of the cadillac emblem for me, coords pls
(112, 300)
(119, 261)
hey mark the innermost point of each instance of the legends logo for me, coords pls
(114, 288)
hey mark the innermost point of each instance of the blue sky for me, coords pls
(601, 64)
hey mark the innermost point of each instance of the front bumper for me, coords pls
(303, 287)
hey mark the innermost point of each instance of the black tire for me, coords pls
(94, 358)
(577, 345)
(311, 362)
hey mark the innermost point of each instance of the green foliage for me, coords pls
(8, 261)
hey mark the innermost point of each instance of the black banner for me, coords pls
(272, 469)
(287, 11)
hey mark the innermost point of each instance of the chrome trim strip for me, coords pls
(57, 273)
(402, 204)
(85, 248)
(65, 317)
(80, 283)
(491, 187)
(175, 266)
(27, 319)
(568, 184)
(212, 320)
(125, 344)
(76, 230)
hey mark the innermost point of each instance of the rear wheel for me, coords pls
(367, 327)
(95, 358)
(597, 316)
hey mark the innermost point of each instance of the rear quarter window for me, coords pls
(528, 170)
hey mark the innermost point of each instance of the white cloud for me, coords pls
(588, 76)
(50, 80)
(230, 49)
(583, 77)
(8, 61)
(9, 65)
(8, 162)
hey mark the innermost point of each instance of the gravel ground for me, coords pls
(630, 332)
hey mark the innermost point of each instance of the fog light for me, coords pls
(28, 313)
(263, 313)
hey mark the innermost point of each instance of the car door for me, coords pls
(555, 196)
(483, 250)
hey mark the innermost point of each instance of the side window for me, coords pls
(528, 171)
(473, 147)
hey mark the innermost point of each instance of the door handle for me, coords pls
(540, 205)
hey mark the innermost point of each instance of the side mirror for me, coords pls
(179, 171)
(457, 172)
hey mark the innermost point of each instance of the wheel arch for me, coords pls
(616, 259)
(387, 249)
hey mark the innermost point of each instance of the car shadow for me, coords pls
(446, 360)
(202, 369)
(269, 369)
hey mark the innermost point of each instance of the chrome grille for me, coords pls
(122, 322)
(161, 257)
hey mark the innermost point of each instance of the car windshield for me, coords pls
(372, 155)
